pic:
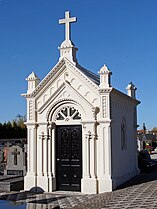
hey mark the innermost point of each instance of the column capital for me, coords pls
(44, 136)
(93, 136)
(29, 124)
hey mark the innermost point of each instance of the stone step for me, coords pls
(12, 184)
(4, 177)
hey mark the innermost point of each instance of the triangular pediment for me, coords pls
(66, 72)
(65, 92)
(86, 76)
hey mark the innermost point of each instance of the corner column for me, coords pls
(104, 162)
(30, 178)
(106, 183)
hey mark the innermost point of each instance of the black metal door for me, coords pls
(69, 157)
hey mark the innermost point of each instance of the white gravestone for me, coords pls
(16, 161)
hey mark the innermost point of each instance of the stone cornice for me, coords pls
(31, 123)
(126, 97)
(105, 121)
(43, 123)
(88, 121)
(107, 90)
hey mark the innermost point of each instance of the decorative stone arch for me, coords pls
(65, 117)
(70, 104)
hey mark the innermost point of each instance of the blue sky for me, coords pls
(119, 33)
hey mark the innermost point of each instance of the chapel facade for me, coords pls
(81, 131)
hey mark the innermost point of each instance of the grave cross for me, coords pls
(67, 22)
(15, 153)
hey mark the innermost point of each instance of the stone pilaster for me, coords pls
(30, 178)
(51, 158)
(106, 183)
(42, 158)
(89, 180)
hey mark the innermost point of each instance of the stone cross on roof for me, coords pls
(67, 22)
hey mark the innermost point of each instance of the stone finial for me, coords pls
(33, 81)
(131, 90)
(67, 48)
(105, 77)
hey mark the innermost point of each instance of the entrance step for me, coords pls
(11, 183)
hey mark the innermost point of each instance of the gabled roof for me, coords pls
(92, 78)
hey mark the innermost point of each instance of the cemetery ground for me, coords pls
(140, 192)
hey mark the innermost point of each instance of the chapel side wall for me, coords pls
(124, 161)
(30, 178)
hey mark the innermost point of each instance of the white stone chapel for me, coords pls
(81, 130)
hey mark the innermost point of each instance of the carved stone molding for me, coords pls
(30, 110)
(108, 90)
(67, 113)
(60, 103)
(81, 74)
(104, 106)
(49, 77)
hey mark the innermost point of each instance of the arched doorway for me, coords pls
(68, 148)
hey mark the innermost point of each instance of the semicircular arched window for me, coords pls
(68, 113)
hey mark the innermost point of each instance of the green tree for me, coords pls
(20, 121)
(154, 130)
(14, 129)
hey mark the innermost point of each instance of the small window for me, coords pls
(123, 134)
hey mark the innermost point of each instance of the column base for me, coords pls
(29, 182)
(106, 185)
(46, 183)
(89, 185)
(42, 183)
(52, 183)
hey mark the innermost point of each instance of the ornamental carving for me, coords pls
(30, 110)
(65, 149)
(68, 113)
(75, 145)
(105, 90)
(79, 87)
(104, 107)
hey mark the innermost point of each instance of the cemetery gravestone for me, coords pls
(3, 158)
(16, 161)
